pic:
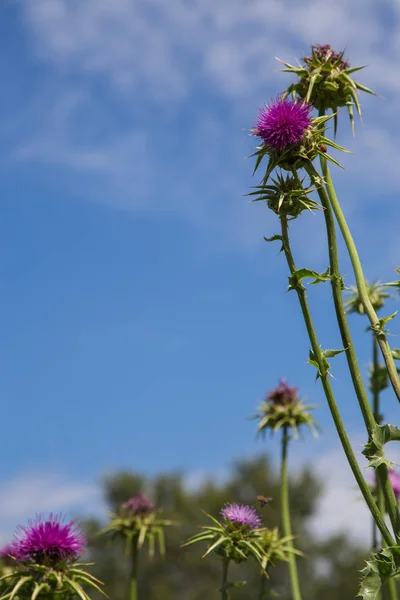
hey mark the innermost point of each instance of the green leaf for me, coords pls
(374, 449)
(377, 571)
(297, 276)
(332, 353)
(275, 238)
(379, 328)
(396, 353)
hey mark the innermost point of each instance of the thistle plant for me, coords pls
(291, 140)
(236, 538)
(283, 410)
(324, 79)
(43, 562)
(138, 521)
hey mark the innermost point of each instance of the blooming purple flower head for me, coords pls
(48, 541)
(241, 515)
(283, 394)
(283, 123)
(395, 481)
(138, 505)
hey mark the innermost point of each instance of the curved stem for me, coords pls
(286, 521)
(361, 285)
(323, 374)
(134, 571)
(361, 392)
(224, 582)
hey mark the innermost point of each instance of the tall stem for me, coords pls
(286, 521)
(134, 571)
(323, 373)
(361, 392)
(361, 285)
(224, 582)
(263, 581)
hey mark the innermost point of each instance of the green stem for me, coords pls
(286, 522)
(392, 588)
(224, 582)
(361, 285)
(323, 374)
(263, 582)
(361, 393)
(134, 571)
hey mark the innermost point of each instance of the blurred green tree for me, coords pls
(329, 569)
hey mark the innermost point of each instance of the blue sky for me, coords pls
(142, 315)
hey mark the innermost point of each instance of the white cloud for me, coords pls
(155, 43)
(26, 495)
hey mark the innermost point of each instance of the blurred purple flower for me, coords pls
(395, 481)
(242, 514)
(283, 394)
(138, 505)
(48, 541)
(283, 123)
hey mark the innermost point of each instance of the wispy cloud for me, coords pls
(28, 494)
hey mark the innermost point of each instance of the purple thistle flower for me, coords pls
(395, 481)
(48, 541)
(283, 123)
(138, 505)
(241, 514)
(283, 394)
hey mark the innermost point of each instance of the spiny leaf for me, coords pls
(377, 571)
(275, 238)
(297, 276)
(379, 328)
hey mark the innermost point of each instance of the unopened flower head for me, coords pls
(283, 123)
(283, 394)
(377, 295)
(325, 80)
(282, 408)
(138, 505)
(48, 541)
(242, 515)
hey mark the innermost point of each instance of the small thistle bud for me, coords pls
(324, 80)
(377, 295)
(283, 408)
(138, 521)
(286, 196)
(236, 538)
(277, 548)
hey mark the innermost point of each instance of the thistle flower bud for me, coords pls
(138, 521)
(283, 408)
(324, 80)
(376, 293)
(286, 196)
(277, 548)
